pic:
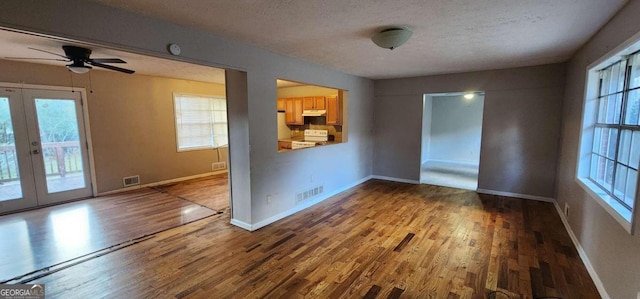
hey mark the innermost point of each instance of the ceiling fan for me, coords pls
(79, 58)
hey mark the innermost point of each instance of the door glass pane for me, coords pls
(10, 186)
(60, 140)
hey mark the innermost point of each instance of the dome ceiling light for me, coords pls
(391, 38)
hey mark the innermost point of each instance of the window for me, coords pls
(610, 147)
(201, 121)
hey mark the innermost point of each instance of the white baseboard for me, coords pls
(583, 254)
(241, 224)
(297, 208)
(463, 163)
(388, 178)
(197, 176)
(517, 195)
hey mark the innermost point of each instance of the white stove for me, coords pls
(316, 135)
(311, 138)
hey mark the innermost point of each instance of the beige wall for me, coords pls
(132, 121)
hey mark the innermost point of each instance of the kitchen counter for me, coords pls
(283, 147)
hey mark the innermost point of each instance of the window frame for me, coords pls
(589, 116)
(212, 124)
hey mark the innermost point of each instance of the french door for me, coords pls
(43, 148)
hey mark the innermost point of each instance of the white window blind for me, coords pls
(201, 121)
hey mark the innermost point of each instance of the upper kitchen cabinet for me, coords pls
(293, 111)
(314, 103)
(282, 105)
(334, 115)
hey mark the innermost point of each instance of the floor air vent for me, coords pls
(131, 180)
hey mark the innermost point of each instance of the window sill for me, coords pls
(616, 210)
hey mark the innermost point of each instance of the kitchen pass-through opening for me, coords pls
(451, 136)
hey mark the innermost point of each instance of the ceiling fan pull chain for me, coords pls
(71, 78)
(90, 84)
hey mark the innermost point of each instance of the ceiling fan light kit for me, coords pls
(391, 38)
(78, 67)
(79, 58)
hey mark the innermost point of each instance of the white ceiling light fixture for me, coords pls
(78, 67)
(469, 95)
(391, 38)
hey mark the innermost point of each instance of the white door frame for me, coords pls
(85, 115)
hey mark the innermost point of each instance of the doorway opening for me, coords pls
(451, 136)
(132, 141)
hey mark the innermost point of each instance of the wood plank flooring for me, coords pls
(211, 191)
(41, 238)
(377, 240)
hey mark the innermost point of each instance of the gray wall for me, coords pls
(521, 122)
(614, 254)
(456, 129)
(257, 169)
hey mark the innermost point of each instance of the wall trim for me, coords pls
(197, 176)
(399, 180)
(583, 254)
(465, 163)
(517, 195)
(298, 208)
(241, 224)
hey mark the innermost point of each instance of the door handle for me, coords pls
(35, 151)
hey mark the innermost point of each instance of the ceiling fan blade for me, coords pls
(107, 60)
(110, 67)
(27, 58)
(52, 53)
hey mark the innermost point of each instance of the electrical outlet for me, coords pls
(566, 210)
(268, 199)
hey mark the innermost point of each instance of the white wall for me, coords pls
(521, 122)
(613, 253)
(257, 169)
(426, 127)
(456, 129)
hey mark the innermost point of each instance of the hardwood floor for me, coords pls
(377, 240)
(33, 241)
(211, 191)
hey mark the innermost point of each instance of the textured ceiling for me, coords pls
(449, 36)
(17, 45)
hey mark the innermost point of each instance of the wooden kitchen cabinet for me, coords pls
(334, 110)
(314, 103)
(293, 111)
(282, 105)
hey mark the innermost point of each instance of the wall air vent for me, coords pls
(218, 165)
(131, 180)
